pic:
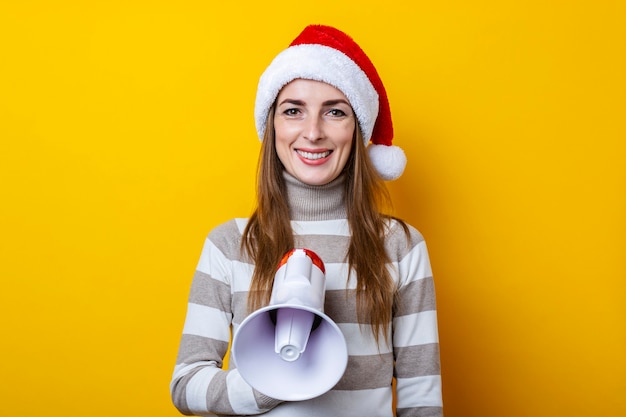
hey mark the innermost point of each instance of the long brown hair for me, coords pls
(268, 234)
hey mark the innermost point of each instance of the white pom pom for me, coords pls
(389, 161)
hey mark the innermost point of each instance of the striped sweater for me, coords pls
(217, 305)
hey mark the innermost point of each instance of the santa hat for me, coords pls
(326, 54)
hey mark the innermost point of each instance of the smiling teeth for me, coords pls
(316, 155)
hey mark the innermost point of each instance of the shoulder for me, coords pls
(401, 239)
(228, 229)
(226, 237)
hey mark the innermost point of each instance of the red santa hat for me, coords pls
(323, 53)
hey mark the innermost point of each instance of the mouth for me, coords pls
(313, 155)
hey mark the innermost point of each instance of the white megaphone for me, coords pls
(290, 350)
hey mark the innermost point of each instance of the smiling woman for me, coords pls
(320, 187)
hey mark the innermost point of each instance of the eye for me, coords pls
(291, 112)
(337, 113)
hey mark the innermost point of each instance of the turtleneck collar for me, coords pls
(315, 202)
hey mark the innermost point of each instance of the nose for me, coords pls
(313, 130)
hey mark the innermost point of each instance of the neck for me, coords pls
(315, 202)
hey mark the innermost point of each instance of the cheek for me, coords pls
(284, 134)
(345, 139)
(282, 146)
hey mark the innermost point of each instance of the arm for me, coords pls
(199, 385)
(415, 336)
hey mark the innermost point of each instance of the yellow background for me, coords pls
(127, 133)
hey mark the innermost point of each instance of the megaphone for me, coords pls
(290, 350)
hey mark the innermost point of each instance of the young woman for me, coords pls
(320, 186)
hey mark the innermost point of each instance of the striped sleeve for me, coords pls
(199, 384)
(415, 333)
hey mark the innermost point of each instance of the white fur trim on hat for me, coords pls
(389, 161)
(318, 63)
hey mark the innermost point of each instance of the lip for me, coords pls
(313, 161)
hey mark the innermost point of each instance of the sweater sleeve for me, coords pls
(415, 334)
(199, 384)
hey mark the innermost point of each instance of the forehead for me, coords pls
(310, 89)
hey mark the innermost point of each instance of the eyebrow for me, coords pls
(337, 101)
(291, 101)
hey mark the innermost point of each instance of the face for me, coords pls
(314, 126)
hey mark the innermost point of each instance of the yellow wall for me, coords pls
(127, 134)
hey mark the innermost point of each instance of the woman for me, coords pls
(321, 187)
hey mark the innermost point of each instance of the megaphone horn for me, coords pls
(290, 350)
